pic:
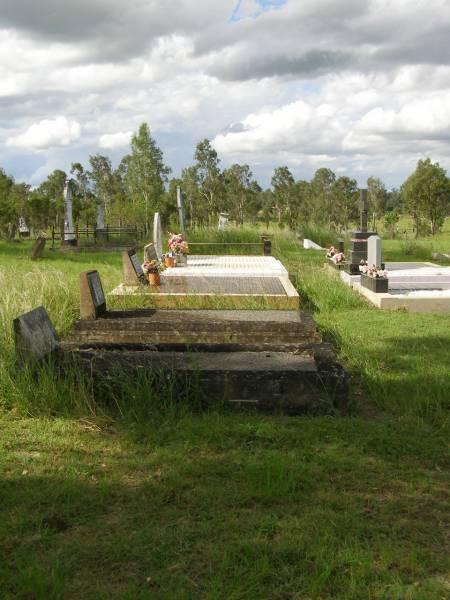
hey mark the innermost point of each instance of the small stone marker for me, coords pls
(133, 273)
(157, 235)
(38, 248)
(150, 252)
(35, 337)
(223, 221)
(374, 251)
(180, 205)
(92, 297)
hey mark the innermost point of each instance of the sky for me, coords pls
(359, 86)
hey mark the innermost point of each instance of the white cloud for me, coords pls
(46, 134)
(111, 141)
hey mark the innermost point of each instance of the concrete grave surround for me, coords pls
(35, 337)
(157, 235)
(226, 266)
(374, 251)
(417, 287)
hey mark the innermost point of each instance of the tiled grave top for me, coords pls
(227, 266)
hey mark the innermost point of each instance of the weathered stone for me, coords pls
(92, 297)
(38, 248)
(150, 252)
(35, 336)
(157, 235)
(133, 273)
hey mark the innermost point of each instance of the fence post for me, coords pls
(53, 237)
(107, 233)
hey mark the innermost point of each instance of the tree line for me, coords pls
(139, 186)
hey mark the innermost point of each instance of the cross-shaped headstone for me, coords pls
(363, 210)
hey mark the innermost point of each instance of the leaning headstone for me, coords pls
(157, 235)
(92, 296)
(38, 248)
(181, 215)
(374, 251)
(150, 252)
(133, 273)
(34, 335)
(310, 245)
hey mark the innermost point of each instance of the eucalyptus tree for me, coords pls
(427, 195)
(321, 196)
(283, 186)
(377, 196)
(7, 212)
(240, 192)
(102, 177)
(144, 173)
(344, 207)
(209, 177)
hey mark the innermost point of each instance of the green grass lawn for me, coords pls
(154, 500)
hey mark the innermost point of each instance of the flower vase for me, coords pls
(154, 279)
(169, 262)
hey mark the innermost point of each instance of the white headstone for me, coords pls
(69, 233)
(100, 216)
(180, 205)
(374, 251)
(310, 245)
(223, 221)
(157, 235)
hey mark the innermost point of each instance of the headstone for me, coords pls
(133, 273)
(180, 205)
(310, 245)
(150, 252)
(34, 335)
(24, 230)
(223, 221)
(92, 296)
(69, 233)
(374, 251)
(38, 248)
(100, 216)
(363, 210)
(157, 235)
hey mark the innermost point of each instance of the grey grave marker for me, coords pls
(374, 251)
(35, 337)
(92, 296)
(150, 252)
(69, 233)
(133, 273)
(157, 235)
(180, 205)
(223, 221)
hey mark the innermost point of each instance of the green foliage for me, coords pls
(427, 195)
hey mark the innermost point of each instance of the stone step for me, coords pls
(205, 329)
(281, 381)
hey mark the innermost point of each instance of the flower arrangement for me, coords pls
(152, 266)
(177, 244)
(335, 255)
(373, 271)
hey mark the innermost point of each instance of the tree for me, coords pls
(102, 177)
(7, 212)
(144, 173)
(283, 185)
(209, 177)
(377, 196)
(240, 191)
(53, 190)
(321, 196)
(427, 195)
(345, 202)
(83, 197)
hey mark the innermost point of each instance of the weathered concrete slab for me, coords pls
(35, 337)
(204, 292)
(260, 330)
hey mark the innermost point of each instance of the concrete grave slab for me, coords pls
(226, 266)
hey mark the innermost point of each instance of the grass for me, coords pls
(146, 497)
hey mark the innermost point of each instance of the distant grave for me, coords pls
(157, 235)
(38, 248)
(358, 244)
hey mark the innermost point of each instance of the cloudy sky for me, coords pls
(359, 86)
